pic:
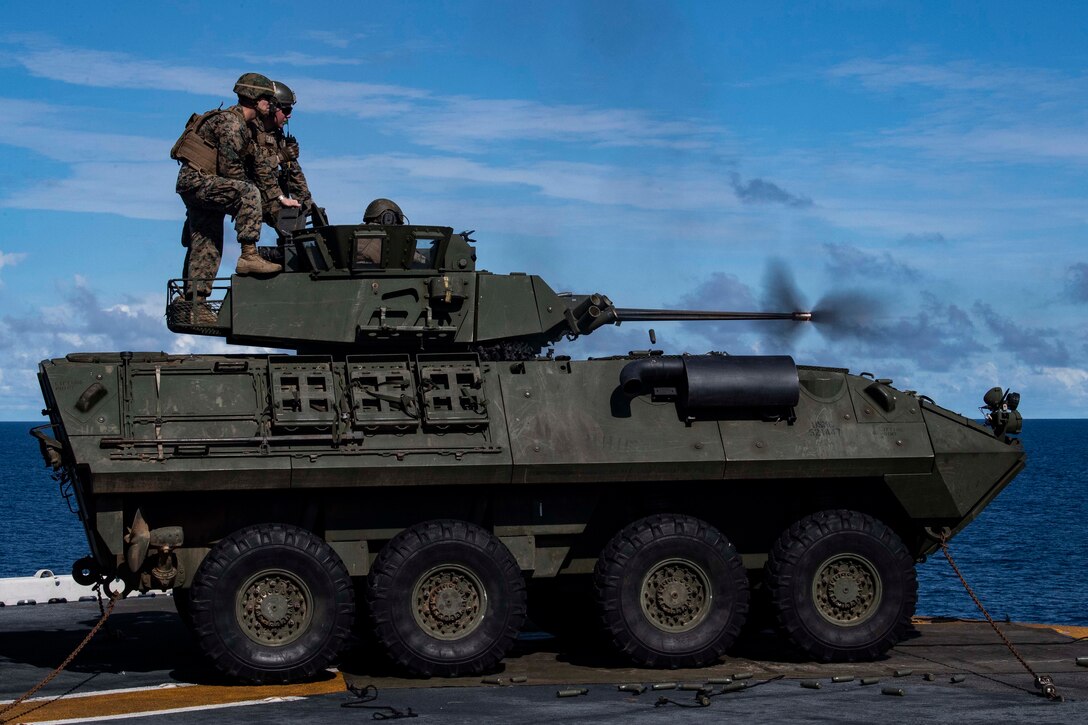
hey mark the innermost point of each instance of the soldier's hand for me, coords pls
(284, 201)
(289, 152)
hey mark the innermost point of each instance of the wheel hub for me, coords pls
(847, 589)
(676, 595)
(274, 608)
(449, 602)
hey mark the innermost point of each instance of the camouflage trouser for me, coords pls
(208, 199)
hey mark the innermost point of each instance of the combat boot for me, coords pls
(251, 262)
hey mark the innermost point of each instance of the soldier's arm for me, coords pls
(266, 171)
(299, 188)
(296, 180)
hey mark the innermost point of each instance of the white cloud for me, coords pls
(333, 38)
(139, 191)
(107, 69)
(10, 259)
(676, 187)
(294, 58)
(459, 122)
(979, 112)
(448, 122)
(40, 127)
(1034, 144)
(963, 76)
(1074, 380)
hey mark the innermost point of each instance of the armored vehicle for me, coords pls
(421, 462)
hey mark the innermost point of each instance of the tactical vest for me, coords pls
(193, 149)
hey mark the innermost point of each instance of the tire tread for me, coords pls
(782, 571)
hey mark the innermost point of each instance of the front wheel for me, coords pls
(843, 586)
(271, 603)
(672, 591)
(446, 598)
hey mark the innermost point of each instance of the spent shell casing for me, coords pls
(742, 676)
(720, 680)
(637, 689)
(703, 699)
(663, 686)
(492, 680)
(870, 680)
(904, 673)
(810, 684)
(929, 677)
(893, 691)
(734, 687)
(519, 679)
(842, 678)
(572, 692)
(692, 687)
(956, 679)
(1082, 661)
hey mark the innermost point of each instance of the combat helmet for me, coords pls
(254, 86)
(383, 211)
(285, 97)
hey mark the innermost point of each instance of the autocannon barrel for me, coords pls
(632, 314)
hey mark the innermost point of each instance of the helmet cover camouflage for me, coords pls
(254, 86)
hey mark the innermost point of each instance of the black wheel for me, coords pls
(842, 585)
(446, 598)
(271, 603)
(672, 591)
(181, 604)
(85, 571)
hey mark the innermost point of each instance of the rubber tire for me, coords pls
(792, 566)
(411, 554)
(226, 568)
(633, 553)
(184, 609)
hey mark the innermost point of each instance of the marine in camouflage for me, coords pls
(278, 154)
(218, 196)
(233, 189)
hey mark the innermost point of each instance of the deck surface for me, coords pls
(144, 663)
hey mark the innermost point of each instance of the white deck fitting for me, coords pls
(44, 587)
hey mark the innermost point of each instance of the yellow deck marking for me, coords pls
(167, 699)
(1066, 629)
(1069, 630)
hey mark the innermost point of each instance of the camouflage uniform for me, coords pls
(231, 190)
(278, 154)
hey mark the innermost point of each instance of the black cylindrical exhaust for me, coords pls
(717, 381)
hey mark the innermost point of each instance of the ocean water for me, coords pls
(1026, 555)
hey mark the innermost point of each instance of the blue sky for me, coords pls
(927, 157)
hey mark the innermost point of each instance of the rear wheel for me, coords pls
(271, 603)
(672, 591)
(447, 598)
(181, 599)
(843, 586)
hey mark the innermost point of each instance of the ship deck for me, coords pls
(144, 664)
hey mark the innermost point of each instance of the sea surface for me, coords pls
(1026, 555)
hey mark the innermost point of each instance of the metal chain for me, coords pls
(49, 678)
(1042, 682)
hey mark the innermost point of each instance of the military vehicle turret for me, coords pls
(419, 459)
(403, 289)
